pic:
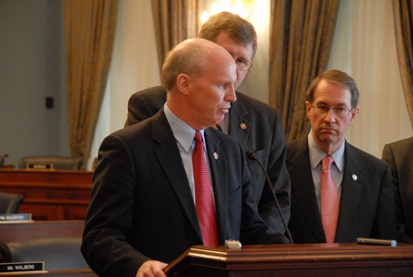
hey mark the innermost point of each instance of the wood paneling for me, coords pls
(50, 194)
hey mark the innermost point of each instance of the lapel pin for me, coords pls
(354, 176)
(243, 126)
(215, 155)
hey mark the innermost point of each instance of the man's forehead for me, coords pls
(332, 92)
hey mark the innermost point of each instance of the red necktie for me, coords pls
(203, 194)
(329, 202)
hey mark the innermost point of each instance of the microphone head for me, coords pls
(252, 155)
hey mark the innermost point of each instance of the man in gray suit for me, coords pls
(254, 124)
(399, 155)
(362, 182)
(143, 208)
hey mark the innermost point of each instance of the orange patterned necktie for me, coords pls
(329, 201)
(203, 194)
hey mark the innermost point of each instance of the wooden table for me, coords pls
(50, 194)
(17, 231)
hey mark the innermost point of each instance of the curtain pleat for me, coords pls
(89, 32)
(175, 21)
(403, 26)
(301, 35)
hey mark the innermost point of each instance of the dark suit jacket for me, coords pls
(141, 205)
(257, 127)
(399, 155)
(366, 203)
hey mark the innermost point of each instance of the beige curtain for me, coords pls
(175, 21)
(301, 34)
(89, 32)
(403, 26)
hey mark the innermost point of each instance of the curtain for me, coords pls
(364, 46)
(301, 35)
(403, 26)
(89, 32)
(175, 21)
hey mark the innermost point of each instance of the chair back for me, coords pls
(51, 162)
(57, 253)
(2, 160)
(10, 202)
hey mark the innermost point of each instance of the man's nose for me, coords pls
(230, 94)
(330, 116)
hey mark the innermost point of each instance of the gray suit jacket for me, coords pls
(399, 155)
(366, 203)
(257, 127)
(141, 205)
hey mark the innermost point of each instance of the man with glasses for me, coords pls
(360, 203)
(256, 125)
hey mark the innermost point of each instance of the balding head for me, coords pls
(199, 76)
(192, 57)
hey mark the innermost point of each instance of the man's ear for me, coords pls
(354, 112)
(183, 82)
(308, 108)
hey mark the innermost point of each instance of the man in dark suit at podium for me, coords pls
(143, 208)
(256, 125)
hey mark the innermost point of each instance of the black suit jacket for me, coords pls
(141, 205)
(366, 203)
(399, 155)
(257, 127)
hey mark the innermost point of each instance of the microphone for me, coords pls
(253, 156)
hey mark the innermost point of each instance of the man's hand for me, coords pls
(151, 269)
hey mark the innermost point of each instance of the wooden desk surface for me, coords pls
(32, 176)
(59, 273)
(40, 229)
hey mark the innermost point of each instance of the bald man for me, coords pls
(143, 211)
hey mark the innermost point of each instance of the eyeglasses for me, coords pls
(338, 111)
(243, 64)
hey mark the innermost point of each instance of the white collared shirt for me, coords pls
(184, 136)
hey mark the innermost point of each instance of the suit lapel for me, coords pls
(173, 167)
(219, 174)
(351, 189)
(240, 126)
(303, 188)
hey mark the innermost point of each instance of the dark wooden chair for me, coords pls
(10, 202)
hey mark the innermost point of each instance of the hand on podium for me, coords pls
(151, 268)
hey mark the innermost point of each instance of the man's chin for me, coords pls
(328, 138)
(219, 119)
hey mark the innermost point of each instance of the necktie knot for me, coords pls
(198, 136)
(327, 162)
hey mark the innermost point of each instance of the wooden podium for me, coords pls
(295, 260)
